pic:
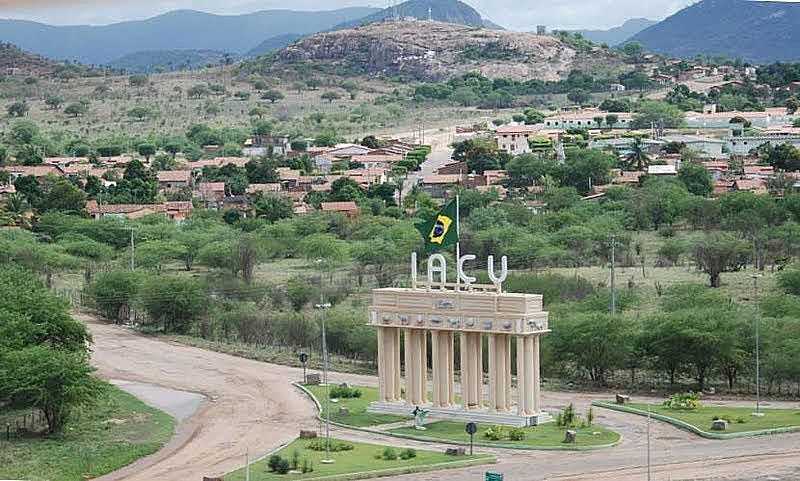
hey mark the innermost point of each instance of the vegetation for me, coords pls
(740, 419)
(352, 411)
(363, 458)
(547, 435)
(117, 430)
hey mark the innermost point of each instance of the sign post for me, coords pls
(472, 428)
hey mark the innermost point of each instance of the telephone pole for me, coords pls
(133, 252)
(613, 276)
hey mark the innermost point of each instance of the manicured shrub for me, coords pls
(389, 454)
(283, 466)
(408, 454)
(343, 392)
(689, 401)
(495, 433)
(336, 446)
(516, 434)
(273, 462)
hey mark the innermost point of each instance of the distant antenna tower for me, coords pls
(430, 14)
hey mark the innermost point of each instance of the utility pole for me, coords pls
(247, 465)
(133, 252)
(648, 443)
(758, 412)
(613, 275)
(323, 306)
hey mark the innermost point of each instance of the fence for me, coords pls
(16, 426)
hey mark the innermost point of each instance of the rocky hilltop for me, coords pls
(432, 51)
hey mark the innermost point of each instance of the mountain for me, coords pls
(180, 29)
(756, 31)
(617, 35)
(424, 50)
(274, 43)
(17, 62)
(447, 11)
(149, 61)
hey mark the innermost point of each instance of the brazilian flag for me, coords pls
(441, 231)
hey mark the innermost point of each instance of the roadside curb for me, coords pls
(694, 429)
(448, 441)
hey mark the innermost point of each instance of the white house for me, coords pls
(513, 139)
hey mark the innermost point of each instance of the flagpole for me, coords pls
(458, 239)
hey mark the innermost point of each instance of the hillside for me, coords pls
(759, 32)
(150, 61)
(181, 29)
(433, 51)
(617, 35)
(447, 11)
(274, 43)
(17, 62)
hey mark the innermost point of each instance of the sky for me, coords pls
(513, 14)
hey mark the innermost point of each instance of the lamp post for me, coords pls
(323, 306)
(758, 347)
(304, 360)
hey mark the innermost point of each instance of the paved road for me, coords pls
(251, 406)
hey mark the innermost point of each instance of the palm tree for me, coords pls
(16, 208)
(638, 158)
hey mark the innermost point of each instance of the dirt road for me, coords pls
(251, 406)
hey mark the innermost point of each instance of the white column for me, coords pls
(398, 391)
(423, 339)
(500, 368)
(466, 374)
(492, 372)
(451, 368)
(521, 372)
(388, 362)
(436, 368)
(381, 367)
(536, 382)
(507, 405)
(478, 369)
(409, 374)
(530, 374)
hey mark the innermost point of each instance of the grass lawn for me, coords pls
(357, 407)
(545, 436)
(116, 432)
(740, 419)
(362, 458)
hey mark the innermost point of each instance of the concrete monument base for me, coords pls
(458, 413)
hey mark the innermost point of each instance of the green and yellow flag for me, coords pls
(441, 231)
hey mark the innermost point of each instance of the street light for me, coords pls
(758, 348)
(323, 306)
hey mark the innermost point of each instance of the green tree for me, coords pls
(138, 81)
(274, 95)
(54, 381)
(273, 208)
(583, 166)
(146, 150)
(597, 344)
(330, 96)
(789, 281)
(346, 189)
(54, 101)
(612, 120)
(651, 112)
(578, 96)
(637, 159)
(718, 253)
(139, 113)
(76, 109)
(174, 301)
(114, 292)
(18, 109)
(696, 178)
